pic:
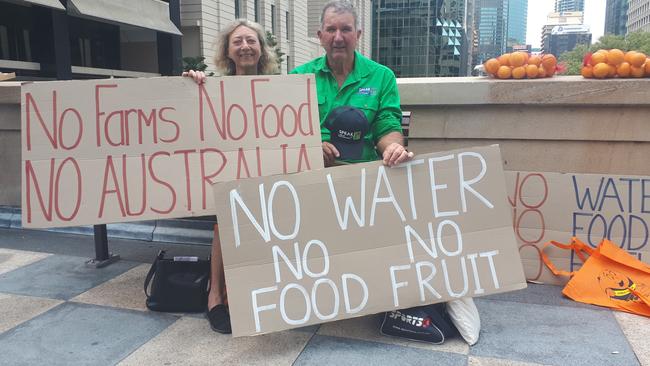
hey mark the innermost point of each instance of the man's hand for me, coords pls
(395, 154)
(198, 76)
(330, 153)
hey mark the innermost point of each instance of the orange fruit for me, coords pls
(534, 60)
(636, 72)
(519, 72)
(504, 72)
(504, 59)
(623, 70)
(532, 71)
(647, 67)
(492, 66)
(597, 57)
(612, 71)
(637, 59)
(518, 58)
(541, 72)
(587, 72)
(549, 62)
(628, 56)
(615, 56)
(600, 70)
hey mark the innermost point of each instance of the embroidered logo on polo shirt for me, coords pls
(367, 91)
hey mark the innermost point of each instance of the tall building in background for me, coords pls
(517, 20)
(491, 22)
(569, 5)
(364, 12)
(555, 19)
(638, 16)
(421, 38)
(564, 38)
(616, 17)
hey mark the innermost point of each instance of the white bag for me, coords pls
(464, 315)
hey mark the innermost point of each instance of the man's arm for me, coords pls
(392, 150)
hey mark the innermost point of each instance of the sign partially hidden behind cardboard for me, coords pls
(135, 149)
(360, 239)
(556, 206)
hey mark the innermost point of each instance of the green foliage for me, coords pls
(196, 64)
(273, 44)
(573, 59)
(637, 41)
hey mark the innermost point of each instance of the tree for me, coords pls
(196, 64)
(637, 41)
(273, 44)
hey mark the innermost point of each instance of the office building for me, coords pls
(555, 19)
(43, 39)
(616, 17)
(569, 5)
(491, 23)
(564, 38)
(638, 16)
(517, 21)
(421, 38)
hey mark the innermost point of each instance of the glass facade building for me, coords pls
(569, 5)
(417, 38)
(517, 20)
(491, 29)
(616, 17)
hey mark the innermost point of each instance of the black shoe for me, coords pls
(219, 319)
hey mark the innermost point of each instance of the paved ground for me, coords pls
(56, 311)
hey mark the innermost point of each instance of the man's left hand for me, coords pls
(396, 154)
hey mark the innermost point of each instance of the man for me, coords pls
(358, 99)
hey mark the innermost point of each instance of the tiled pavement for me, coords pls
(56, 311)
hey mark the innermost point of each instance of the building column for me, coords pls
(169, 45)
(53, 43)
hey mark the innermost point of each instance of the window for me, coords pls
(272, 18)
(237, 7)
(287, 25)
(256, 5)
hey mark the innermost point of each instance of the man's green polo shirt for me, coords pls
(371, 87)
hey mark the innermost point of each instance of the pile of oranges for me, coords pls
(518, 65)
(615, 63)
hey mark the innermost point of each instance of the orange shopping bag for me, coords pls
(609, 277)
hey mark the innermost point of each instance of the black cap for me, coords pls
(348, 127)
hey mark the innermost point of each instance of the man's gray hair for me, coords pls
(340, 7)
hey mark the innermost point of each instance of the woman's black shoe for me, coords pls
(219, 319)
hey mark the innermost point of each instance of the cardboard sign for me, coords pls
(360, 239)
(105, 151)
(556, 206)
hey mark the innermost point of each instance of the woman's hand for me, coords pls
(198, 76)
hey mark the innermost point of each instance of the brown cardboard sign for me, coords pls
(113, 150)
(556, 206)
(360, 239)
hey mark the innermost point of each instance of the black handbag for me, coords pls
(429, 323)
(178, 284)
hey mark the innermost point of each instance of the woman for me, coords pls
(241, 49)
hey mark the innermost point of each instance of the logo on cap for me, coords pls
(348, 127)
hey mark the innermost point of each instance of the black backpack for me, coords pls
(429, 323)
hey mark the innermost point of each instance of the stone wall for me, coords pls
(562, 124)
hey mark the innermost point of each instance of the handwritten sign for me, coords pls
(134, 149)
(556, 206)
(360, 239)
